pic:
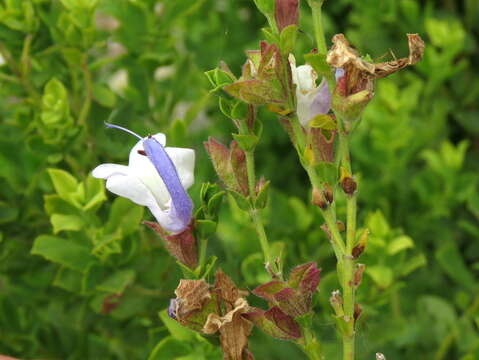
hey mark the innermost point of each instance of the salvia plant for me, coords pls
(320, 119)
(76, 71)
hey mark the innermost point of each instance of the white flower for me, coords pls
(311, 100)
(141, 182)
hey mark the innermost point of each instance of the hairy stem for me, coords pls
(348, 266)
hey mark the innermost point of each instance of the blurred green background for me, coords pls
(81, 278)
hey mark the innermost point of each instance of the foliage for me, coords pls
(81, 279)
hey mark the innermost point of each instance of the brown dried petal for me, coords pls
(416, 51)
(360, 73)
(192, 296)
(342, 54)
(215, 322)
(234, 338)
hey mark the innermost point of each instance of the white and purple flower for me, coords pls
(311, 100)
(156, 177)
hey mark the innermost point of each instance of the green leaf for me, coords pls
(327, 172)
(62, 222)
(64, 183)
(94, 193)
(451, 261)
(117, 282)
(103, 95)
(69, 280)
(323, 121)
(242, 202)
(170, 349)
(319, 63)
(246, 142)
(64, 252)
(287, 39)
(226, 107)
(205, 228)
(399, 244)
(176, 330)
(413, 264)
(252, 268)
(7, 213)
(262, 197)
(125, 216)
(265, 6)
(381, 275)
(377, 224)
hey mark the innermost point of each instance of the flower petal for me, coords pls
(142, 167)
(306, 78)
(184, 160)
(103, 171)
(322, 100)
(181, 204)
(130, 187)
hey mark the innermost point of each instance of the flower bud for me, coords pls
(229, 164)
(361, 245)
(286, 13)
(328, 193)
(294, 297)
(357, 311)
(275, 322)
(336, 302)
(318, 199)
(358, 274)
(349, 185)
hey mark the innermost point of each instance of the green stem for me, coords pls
(348, 267)
(310, 345)
(85, 109)
(202, 256)
(316, 8)
(251, 173)
(263, 239)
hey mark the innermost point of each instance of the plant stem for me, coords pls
(348, 267)
(202, 256)
(316, 8)
(263, 239)
(251, 172)
(310, 345)
(85, 109)
(254, 212)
